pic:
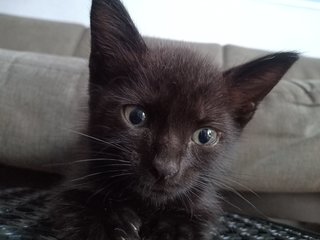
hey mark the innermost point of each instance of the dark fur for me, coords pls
(125, 195)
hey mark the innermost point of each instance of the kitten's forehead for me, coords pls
(183, 84)
(184, 74)
(182, 63)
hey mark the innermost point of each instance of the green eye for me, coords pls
(134, 115)
(205, 136)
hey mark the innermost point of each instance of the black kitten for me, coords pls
(162, 121)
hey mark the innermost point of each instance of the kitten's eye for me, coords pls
(205, 136)
(134, 115)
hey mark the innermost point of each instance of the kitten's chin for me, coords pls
(161, 194)
(159, 197)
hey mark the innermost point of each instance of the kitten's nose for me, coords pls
(165, 169)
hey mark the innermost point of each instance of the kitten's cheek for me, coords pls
(135, 158)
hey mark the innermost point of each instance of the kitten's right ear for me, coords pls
(115, 41)
(249, 83)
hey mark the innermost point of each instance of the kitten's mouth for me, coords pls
(160, 188)
(165, 190)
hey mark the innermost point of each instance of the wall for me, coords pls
(265, 24)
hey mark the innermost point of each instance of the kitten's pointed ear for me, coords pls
(115, 40)
(251, 82)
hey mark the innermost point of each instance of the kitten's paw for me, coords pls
(173, 229)
(123, 224)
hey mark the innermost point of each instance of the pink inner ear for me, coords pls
(248, 110)
(244, 107)
(251, 106)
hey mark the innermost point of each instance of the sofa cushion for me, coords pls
(83, 48)
(42, 97)
(279, 149)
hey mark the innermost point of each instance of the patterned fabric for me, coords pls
(21, 208)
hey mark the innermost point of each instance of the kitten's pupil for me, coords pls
(205, 135)
(137, 116)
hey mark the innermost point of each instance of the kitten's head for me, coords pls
(166, 117)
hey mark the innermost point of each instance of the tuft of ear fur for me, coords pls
(249, 83)
(115, 41)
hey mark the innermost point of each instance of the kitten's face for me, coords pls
(166, 115)
(171, 116)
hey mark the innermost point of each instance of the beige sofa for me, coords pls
(43, 80)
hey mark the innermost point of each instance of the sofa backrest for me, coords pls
(24, 34)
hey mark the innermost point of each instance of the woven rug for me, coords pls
(20, 208)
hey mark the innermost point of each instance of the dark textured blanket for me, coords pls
(20, 209)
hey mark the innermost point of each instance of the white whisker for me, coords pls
(122, 148)
(119, 175)
(87, 176)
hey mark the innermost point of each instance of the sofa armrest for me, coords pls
(42, 97)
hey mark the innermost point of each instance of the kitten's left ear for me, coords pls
(249, 83)
(115, 40)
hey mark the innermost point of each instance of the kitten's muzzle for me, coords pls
(165, 169)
